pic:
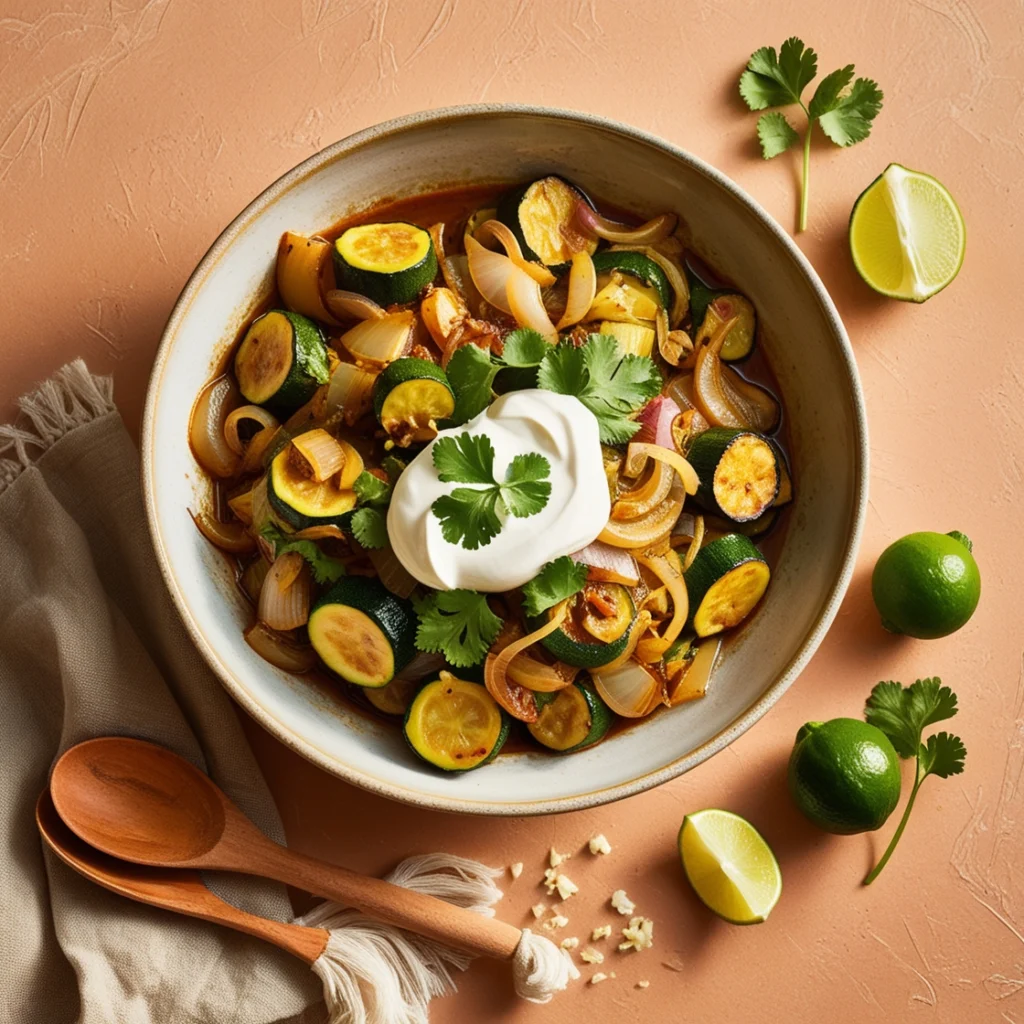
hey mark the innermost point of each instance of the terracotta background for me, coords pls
(132, 132)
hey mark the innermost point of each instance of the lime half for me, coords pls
(907, 236)
(731, 868)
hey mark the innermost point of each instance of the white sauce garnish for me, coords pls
(565, 432)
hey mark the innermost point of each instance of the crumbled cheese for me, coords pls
(643, 984)
(600, 845)
(570, 943)
(592, 956)
(566, 886)
(622, 903)
(550, 878)
(639, 935)
(555, 858)
(596, 979)
(539, 909)
(554, 922)
(601, 933)
(515, 870)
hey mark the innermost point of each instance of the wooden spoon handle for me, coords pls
(415, 912)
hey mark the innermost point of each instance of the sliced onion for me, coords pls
(458, 278)
(723, 397)
(503, 233)
(537, 676)
(280, 651)
(655, 230)
(608, 564)
(699, 528)
(381, 341)
(257, 414)
(641, 624)
(349, 394)
(241, 506)
(638, 453)
(680, 289)
(392, 573)
(352, 305)
(253, 575)
(305, 270)
(256, 449)
(647, 495)
(206, 427)
(655, 421)
(325, 531)
(527, 305)
(668, 572)
(421, 666)
(645, 531)
(231, 537)
(322, 453)
(284, 596)
(518, 705)
(629, 690)
(490, 272)
(756, 403)
(582, 289)
(693, 682)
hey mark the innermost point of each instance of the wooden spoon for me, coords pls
(141, 802)
(180, 891)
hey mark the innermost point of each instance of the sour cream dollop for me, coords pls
(561, 429)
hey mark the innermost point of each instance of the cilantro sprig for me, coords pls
(609, 383)
(325, 568)
(469, 515)
(555, 582)
(458, 624)
(368, 523)
(844, 112)
(902, 712)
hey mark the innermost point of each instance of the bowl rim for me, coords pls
(740, 724)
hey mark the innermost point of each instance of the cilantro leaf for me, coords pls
(524, 348)
(611, 385)
(371, 490)
(458, 624)
(466, 459)
(555, 582)
(843, 111)
(775, 133)
(325, 569)
(902, 712)
(369, 527)
(394, 467)
(526, 489)
(468, 516)
(471, 373)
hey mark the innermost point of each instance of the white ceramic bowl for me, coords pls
(808, 350)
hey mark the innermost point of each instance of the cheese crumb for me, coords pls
(621, 902)
(554, 922)
(596, 979)
(600, 845)
(555, 858)
(639, 935)
(566, 886)
(643, 984)
(550, 877)
(592, 956)
(570, 943)
(601, 933)
(515, 870)
(539, 909)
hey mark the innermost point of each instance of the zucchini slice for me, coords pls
(542, 215)
(785, 495)
(455, 725)
(299, 500)
(596, 630)
(727, 579)
(738, 472)
(281, 361)
(362, 631)
(639, 266)
(739, 342)
(624, 301)
(409, 398)
(633, 339)
(389, 263)
(576, 718)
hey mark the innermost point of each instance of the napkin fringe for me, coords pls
(71, 398)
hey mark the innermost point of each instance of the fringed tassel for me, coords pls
(378, 974)
(71, 398)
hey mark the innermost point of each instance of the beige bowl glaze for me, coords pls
(808, 350)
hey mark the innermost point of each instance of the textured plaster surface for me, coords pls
(132, 132)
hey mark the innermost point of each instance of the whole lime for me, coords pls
(926, 585)
(844, 775)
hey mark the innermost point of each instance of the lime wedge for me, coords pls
(907, 236)
(731, 868)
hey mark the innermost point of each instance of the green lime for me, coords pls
(926, 585)
(844, 775)
(907, 235)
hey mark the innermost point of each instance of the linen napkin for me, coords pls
(90, 644)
